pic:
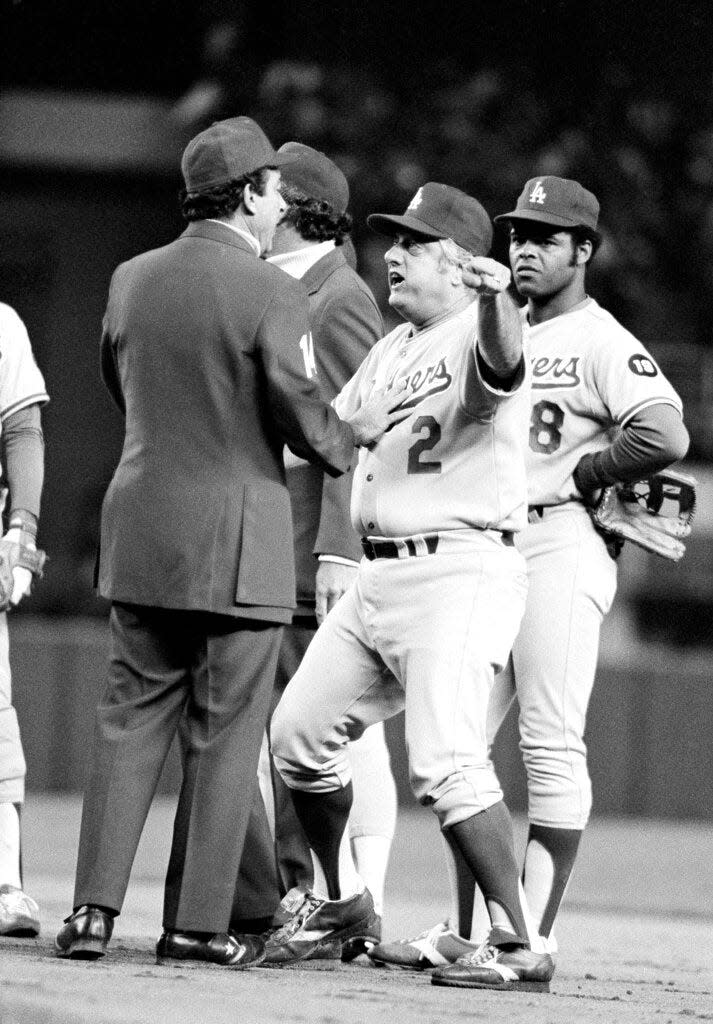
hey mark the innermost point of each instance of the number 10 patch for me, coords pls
(643, 366)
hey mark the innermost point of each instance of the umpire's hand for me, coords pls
(380, 413)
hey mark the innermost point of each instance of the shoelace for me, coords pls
(294, 899)
(308, 906)
(429, 935)
(481, 955)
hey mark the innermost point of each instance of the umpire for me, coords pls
(203, 351)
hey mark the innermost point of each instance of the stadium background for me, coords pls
(96, 104)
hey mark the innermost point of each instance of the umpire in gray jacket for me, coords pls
(204, 352)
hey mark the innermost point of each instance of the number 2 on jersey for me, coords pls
(545, 427)
(433, 436)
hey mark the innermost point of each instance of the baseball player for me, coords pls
(22, 393)
(345, 323)
(439, 592)
(602, 412)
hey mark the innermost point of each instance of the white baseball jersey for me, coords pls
(589, 376)
(21, 383)
(459, 461)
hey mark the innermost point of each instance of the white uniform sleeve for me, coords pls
(479, 396)
(628, 378)
(21, 383)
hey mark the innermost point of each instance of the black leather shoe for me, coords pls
(226, 949)
(250, 925)
(85, 935)
(358, 944)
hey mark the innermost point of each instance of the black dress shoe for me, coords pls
(226, 949)
(250, 925)
(85, 935)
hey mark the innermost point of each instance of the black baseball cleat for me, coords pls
(285, 910)
(320, 928)
(85, 935)
(224, 949)
(364, 943)
(503, 969)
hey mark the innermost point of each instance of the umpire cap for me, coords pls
(441, 211)
(561, 202)
(226, 151)
(316, 175)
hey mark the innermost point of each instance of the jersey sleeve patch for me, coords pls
(643, 365)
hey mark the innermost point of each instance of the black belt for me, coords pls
(390, 549)
(539, 510)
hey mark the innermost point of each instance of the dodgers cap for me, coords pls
(561, 202)
(227, 150)
(313, 173)
(441, 211)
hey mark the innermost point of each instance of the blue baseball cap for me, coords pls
(226, 151)
(313, 173)
(561, 202)
(441, 211)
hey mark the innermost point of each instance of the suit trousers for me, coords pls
(269, 867)
(213, 675)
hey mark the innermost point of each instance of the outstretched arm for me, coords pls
(499, 326)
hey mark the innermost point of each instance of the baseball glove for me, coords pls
(654, 513)
(17, 554)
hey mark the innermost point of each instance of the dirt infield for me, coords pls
(635, 938)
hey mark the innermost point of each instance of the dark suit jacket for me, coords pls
(345, 323)
(201, 351)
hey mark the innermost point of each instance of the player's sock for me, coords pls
(371, 858)
(10, 873)
(372, 820)
(486, 842)
(462, 889)
(264, 781)
(549, 858)
(323, 817)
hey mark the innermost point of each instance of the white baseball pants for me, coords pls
(12, 760)
(572, 582)
(423, 634)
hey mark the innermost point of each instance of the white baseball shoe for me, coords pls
(434, 947)
(19, 914)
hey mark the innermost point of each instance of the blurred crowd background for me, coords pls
(98, 100)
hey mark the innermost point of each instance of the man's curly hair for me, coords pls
(583, 234)
(314, 219)
(222, 200)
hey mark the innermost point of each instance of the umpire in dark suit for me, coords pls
(205, 351)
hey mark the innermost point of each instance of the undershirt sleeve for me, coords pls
(651, 440)
(23, 449)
